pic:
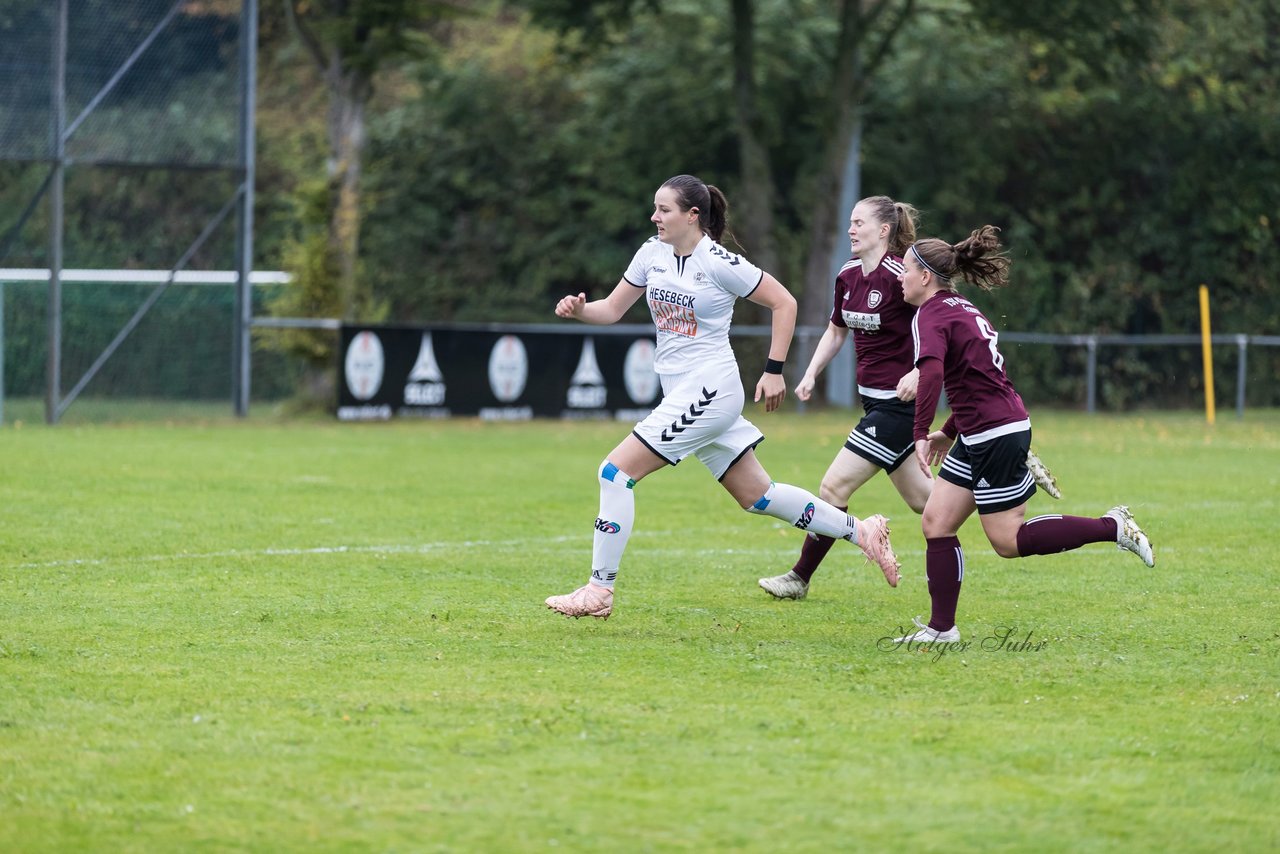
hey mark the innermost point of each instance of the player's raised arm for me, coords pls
(600, 312)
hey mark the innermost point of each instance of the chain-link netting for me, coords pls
(151, 104)
(179, 351)
(146, 81)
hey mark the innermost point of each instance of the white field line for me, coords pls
(582, 540)
(421, 548)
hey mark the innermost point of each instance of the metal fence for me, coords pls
(751, 344)
(177, 354)
(96, 94)
(1091, 343)
(840, 374)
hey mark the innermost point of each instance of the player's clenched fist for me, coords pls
(571, 306)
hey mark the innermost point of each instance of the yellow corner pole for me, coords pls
(1208, 353)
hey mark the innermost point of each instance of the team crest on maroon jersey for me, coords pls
(873, 299)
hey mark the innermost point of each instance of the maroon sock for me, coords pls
(1047, 535)
(944, 566)
(812, 553)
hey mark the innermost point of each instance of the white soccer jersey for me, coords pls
(691, 299)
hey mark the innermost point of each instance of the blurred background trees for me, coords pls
(473, 160)
(1127, 149)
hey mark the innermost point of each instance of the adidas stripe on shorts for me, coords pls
(995, 471)
(883, 436)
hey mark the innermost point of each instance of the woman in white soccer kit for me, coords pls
(691, 284)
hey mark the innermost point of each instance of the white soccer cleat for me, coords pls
(590, 600)
(786, 586)
(924, 634)
(873, 539)
(1129, 537)
(1042, 476)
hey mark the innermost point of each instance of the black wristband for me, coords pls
(773, 366)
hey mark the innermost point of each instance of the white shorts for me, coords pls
(701, 414)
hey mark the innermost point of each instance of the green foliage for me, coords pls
(1126, 149)
(514, 179)
(121, 217)
(1089, 150)
(296, 637)
(514, 167)
(350, 42)
(585, 26)
(312, 261)
(176, 103)
(366, 35)
(1120, 193)
(1077, 40)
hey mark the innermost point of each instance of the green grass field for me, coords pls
(309, 636)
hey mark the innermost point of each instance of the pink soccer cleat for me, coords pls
(873, 539)
(590, 600)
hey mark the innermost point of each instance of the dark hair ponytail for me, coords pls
(977, 259)
(713, 207)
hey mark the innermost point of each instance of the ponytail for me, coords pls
(715, 220)
(713, 207)
(978, 259)
(901, 218)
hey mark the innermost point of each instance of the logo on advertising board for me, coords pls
(638, 374)
(508, 368)
(425, 386)
(363, 366)
(586, 387)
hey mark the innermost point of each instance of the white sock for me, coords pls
(806, 511)
(613, 525)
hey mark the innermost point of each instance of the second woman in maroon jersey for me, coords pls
(956, 349)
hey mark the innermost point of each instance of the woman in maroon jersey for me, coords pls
(868, 302)
(955, 348)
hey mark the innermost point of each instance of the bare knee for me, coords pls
(752, 495)
(933, 528)
(747, 481)
(832, 495)
(915, 491)
(1006, 548)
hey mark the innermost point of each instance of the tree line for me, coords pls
(463, 161)
(1126, 149)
